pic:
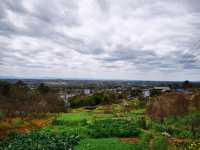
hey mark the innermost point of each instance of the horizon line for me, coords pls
(88, 79)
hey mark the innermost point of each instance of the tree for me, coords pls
(187, 84)
(43, 89)
(5, 88)
(167, 105)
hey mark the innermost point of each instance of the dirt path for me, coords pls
(130, 140)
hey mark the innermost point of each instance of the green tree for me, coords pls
(43, 89)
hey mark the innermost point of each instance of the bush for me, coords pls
(17, 122)
(144, 141)
(189, 145)
(38, 141)
(185, 134)
(93, 100)
(2, 115)
(113, 128)
(160, 143)
(157, 126)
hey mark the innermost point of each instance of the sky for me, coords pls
(100, 39)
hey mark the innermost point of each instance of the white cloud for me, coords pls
(100, 38)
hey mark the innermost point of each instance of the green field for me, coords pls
(98, 130)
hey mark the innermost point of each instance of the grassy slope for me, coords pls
(73, 124)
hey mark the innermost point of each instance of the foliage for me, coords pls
(74, 123)
(136, 93)
(113, 128)
(38, 141)
(93, 100)
(187, 145)
(16, 122)
(186, 126)
(160, 143)
(5, 88)
(63, 129)
(43, 89)
(194, 124)
(19, 100)
(2, 115)
(144, 141)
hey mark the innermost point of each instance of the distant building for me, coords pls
(146, 92)
(87, 91)
(162, 89)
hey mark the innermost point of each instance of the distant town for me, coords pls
(67, 89)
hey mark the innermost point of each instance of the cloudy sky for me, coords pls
(100, 39)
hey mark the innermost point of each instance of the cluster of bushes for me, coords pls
(113, 128)
(187, 145)
(95, 99)
(187, 126)
(19, 99)
(39, 141)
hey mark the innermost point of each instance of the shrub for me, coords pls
(160, 143)
(185, 134)
(38, 141)
(157, 126)
(189, 145)
(113, 128)
(144, 141)
(193, 121)
(17, 122)
(2, 115)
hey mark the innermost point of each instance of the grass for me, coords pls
(104, 144)
(80, 121)
(78, 116)
(80, 130)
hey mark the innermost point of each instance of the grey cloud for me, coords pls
(14, 5)
(105, 34)
(104, 5)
